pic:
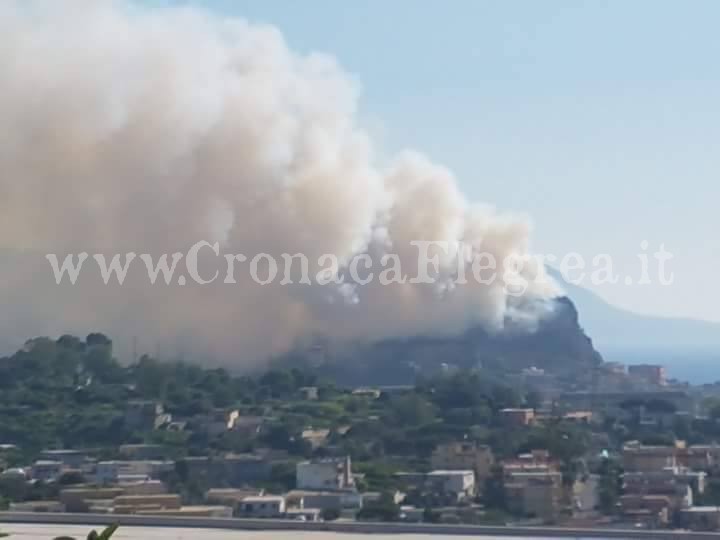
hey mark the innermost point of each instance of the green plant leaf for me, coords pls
(108, 532)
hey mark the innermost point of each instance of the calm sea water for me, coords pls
(48, 532)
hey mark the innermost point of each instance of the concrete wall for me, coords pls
(99, 520)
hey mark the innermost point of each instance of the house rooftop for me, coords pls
(264, 498)
(442, 472)
(702, 509)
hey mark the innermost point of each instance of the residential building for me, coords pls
(517, 417)
(652, 511)
(463, 456)
(106, 472)
(144, 498)
(580, 417)
(533, 484)
(701, 518)
(267, 506)
(215, 422)
(537, 494)
(310, 393)
(534, 461)
(699, 457)
(325, 474)
(46, 470)
(71, 459)
(231, 496)
(143, 487)
(231, 470)
(648, 373)
(15, 473)
(615, 368)
(80, 499)
(370, 496)
(372, 393)
(240, 470)
(324, 500)
(412, 514)
(145, 415)
(457, 485)
(315, 437)
(113, 472)
(672, 483)
(410, 480)
(133, 504)
(37, 506)
(191, 511)
(303, 514)
(638, 458)
(248, 426)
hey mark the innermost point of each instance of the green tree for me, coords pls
(494, 493)
(106, 534)
(609, 486)
(70, 478)
(410, 410)
(330, 514)
(533, 399)
(384, 509)
(431, 516)
(14, 488)
(711, 496)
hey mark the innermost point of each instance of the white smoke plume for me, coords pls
(125, 128)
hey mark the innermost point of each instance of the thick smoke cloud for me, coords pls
(133, 129)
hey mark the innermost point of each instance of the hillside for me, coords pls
(558, 345)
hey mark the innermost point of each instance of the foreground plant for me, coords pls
(93, 535)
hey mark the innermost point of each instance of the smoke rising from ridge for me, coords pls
(146, 130)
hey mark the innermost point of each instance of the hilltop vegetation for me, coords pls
(557, 343)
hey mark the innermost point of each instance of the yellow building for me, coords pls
(537, 494)
(463, 456)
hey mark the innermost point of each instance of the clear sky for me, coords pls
(598, 119)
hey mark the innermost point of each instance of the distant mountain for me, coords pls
(613, 329)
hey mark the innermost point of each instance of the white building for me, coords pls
(458, 484)
(106, 472)
(336, 500)
(74, 459)
(46, 470)
(37, 506)
(114, 472)
(325, 474)
(266, 506)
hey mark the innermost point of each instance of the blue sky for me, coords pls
(598, 119)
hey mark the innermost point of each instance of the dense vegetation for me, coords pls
(557, 344)
(72, 393)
